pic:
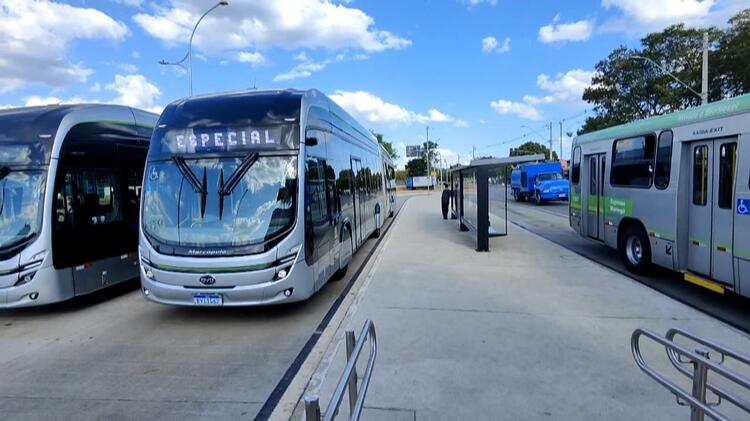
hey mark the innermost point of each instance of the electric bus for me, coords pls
(672, 190)
(255, 197)
(389, 177)
(70, 184)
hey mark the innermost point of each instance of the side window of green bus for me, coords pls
(575, 172)
(727, 164)
(700, 175)
(633, 161)
(663, 160)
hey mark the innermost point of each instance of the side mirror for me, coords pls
(311, 141)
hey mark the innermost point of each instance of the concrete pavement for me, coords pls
(529, 330)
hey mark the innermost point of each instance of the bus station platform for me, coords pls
(529, 330)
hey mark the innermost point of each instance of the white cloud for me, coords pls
(460, 123)
(136, 55)
(96, 87)
(372, 109)
(519, 109)
(35, 37)
(490, 44)
(562, 32)
(640, 17)
(131, 3)
(287, 24)
(473, 3)
(136, 91)
(128, 67)
(254, 58)
(565, 88)
(439, 117)
(307, 68)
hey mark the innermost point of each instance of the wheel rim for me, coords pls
(634, 250)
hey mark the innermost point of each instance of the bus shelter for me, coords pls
(471, 195)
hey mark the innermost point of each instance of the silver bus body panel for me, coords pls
(49, 284)
(708, 241)
(178, 279)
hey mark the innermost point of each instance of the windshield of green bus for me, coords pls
(21, 193)
(549, 176)
(191, 202)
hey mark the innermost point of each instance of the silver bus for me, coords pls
(255, 197)
(70, 184)
(389, 178)
(672, 190)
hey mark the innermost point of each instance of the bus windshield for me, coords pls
(189, 202)
(20, 197)
(549, 176)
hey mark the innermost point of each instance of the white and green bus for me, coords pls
(673, 191)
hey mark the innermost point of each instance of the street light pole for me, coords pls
(189, 54)
(702, 96)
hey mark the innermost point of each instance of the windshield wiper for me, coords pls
(226, 189)
(192, 179)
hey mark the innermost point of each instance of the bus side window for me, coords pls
(700, 175)
(316, 205)
(632, 161)
(575, 172)
(663, 160)
(727, 163)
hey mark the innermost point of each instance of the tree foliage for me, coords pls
(388, 146)
(416, 167)
(530, 148)
(624, 89)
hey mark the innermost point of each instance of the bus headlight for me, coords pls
(148, 272)
(25, 279)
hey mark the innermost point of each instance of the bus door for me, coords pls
(595, 198)
(356, 189)
(711, 210)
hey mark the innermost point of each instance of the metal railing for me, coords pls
(348, 380)
(696, 365)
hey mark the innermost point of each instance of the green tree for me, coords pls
(732, 57)
(433, 153)
(530, 148)
(625, 89)
(388, 146)
(416, 167)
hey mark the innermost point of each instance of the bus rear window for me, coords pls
(633, 161)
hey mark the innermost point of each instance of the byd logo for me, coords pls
(207, 280)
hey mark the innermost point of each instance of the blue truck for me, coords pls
(541, 182)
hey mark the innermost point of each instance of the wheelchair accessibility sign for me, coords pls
(743, 206)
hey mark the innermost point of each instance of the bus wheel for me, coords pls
(636, 250)
(538, 198)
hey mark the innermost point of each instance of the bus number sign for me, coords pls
(223, 139)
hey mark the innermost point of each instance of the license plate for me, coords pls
(208, 299)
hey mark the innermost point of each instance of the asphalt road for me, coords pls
(550, 221)
(115, 355)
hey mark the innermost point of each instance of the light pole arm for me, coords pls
(668, 73)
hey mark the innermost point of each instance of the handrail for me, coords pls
(348, 378)
(701, 366)
(723, 352)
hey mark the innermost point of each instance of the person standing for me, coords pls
(445, 200)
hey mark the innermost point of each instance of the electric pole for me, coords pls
(561, 134)
(550, 141)
(429, 177)
(704, 84)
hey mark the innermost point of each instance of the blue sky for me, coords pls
(474, 71)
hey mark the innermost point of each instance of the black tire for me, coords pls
(376, 233)
(537, 198)
(635, 250)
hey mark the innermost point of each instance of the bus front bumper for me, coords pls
(554, 196)
(295, 287)
(46, 287)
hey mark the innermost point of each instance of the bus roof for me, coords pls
(718, 109)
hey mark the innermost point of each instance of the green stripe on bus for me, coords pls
(575, 200)
(247, 268)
